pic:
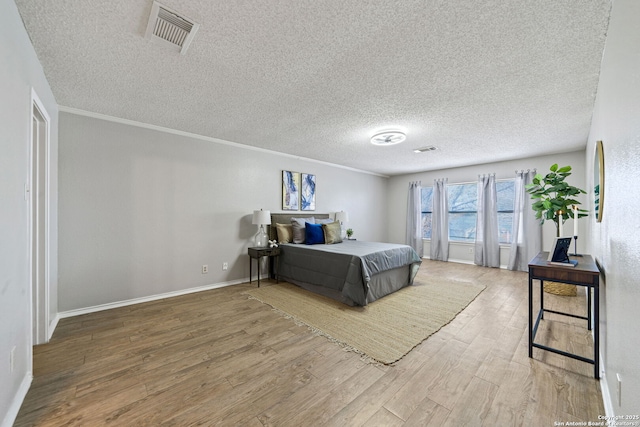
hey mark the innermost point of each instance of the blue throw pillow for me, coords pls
(314, 234)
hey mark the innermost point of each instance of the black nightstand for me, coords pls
(257, 254)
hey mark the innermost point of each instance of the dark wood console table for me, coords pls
(587, 274)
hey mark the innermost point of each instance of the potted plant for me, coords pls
(555, 200)
(349, 233)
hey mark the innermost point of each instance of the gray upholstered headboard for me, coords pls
(285, 218)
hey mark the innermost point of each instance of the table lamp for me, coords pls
(342, 217)
(261, 218)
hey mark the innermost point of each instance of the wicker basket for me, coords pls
(562, 289)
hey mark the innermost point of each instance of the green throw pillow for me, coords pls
(332, 233)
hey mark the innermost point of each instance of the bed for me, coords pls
(352, 272)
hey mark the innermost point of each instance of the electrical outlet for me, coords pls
(12, 357)
(470, 250)
(205, 269)
(225, 266)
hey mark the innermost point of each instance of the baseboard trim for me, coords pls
(604, 391)
(461, 261)
(12, 413)
(96, 308)
(457, 261)
(468, 262)
(53, 325)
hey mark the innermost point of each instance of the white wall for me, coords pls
(398, 187)
(20, 71)
(615, 241)
(141, 210)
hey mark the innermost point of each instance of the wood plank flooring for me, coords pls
(219, 358)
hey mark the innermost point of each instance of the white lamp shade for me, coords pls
(261, 217)
(342, 216)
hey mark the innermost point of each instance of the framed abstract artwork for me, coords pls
(308, 194)
(290, 191)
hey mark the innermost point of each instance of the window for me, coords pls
(427, 210)
(506, 191)
(463, 210)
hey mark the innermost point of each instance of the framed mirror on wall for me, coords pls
(598, 181)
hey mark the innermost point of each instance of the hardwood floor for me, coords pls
(219, 358)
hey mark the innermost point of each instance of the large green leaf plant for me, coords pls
(554, 198)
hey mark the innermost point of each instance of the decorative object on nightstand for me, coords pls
(349, 233)
(261, 218)
(342, 217)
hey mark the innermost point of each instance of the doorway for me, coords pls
(39, 220)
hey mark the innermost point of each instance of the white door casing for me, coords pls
(38, 188)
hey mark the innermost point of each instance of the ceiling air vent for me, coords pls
(425, 149)
(170, 27)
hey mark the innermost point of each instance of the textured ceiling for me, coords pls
(481, 80)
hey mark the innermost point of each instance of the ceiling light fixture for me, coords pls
(423, 149)
(389, 137)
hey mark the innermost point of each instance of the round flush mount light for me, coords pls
(390, 137)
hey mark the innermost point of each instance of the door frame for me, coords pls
(39, 218)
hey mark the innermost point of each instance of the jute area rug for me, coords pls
(384, 330)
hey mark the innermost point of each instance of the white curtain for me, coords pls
(526, 236)
(487, 251)
(440, 221)
(414, 217)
